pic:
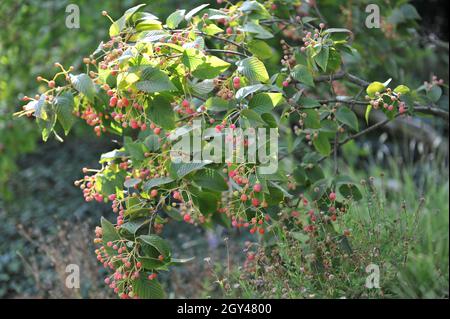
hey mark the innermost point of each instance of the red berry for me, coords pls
(157, 130)
(257, 188)
(244, 197)
(285, 83)
(153, 193)
(229, 30)
(187, 218)
(332, 196)
(185, 104)
(255, 202)
(125, 101)
(113, 101)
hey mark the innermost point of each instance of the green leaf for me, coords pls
(260, 49)
(131, 182)
(252, 116)
(152, 142)
(346, 116)
(312, 119)
(211, 68)
(218, 104)
(258, 31)
(194, 11)
(145, 288)
(64, 106)
(182, 169)
(156, 242)
(134, 149)
(322, 58)
(402, 89)
(265, 102)
(160, 112)
(270, 120)
(375, 87)
(253, 69)
(83, 84)
(301, 73)
(210, 179)
(39, 107)
(212, 29)
(175, 19)
(368, 110)
(245, 91)
(322, 144)
(155, 182)
(435, 93)
(109, 234)
(308, 103)
(193, 58)
(180, 261)
(350, 190)
(133, 226)
(155, 80)
(203, 87)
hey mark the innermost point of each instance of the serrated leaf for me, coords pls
(301, 73)
(265, 102)
(210, 179)
(312, 119)
(348, 117)
(154, 80)
(109, 234)
(155, 182)
(194, 11)
(160, 112)
(156, 242)
(322, 144)
(131, 182)
(270, 120)
(174, 19)
(253, 69)
(322, 58)
(193, 58)
(260, 49)
(212, 29)
(83, 84)
(211, 68)
(258, 31)
(252, 116)
(145, 288)
(64, 106)
(182, 169)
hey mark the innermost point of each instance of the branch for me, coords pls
(227, 52)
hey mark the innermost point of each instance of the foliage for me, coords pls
(152, 78)
(392, 227)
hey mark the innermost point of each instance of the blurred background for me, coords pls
(45, 224)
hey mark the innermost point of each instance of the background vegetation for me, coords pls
(38, 200)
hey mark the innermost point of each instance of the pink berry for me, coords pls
(257, 188)
(332, 196)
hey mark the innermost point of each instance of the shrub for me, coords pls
(152, 81)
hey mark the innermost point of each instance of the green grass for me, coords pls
(401, 225)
